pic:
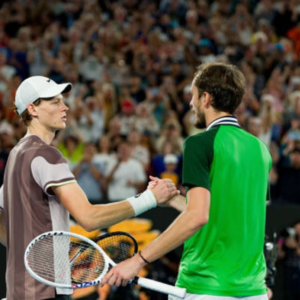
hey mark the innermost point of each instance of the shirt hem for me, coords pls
(225, 293)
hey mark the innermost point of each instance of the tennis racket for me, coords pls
(118, 245)
(68, 260)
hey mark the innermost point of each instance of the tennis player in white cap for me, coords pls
(40, 191)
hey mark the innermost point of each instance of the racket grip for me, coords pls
(161, 287)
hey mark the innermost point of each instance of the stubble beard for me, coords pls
(200, 122)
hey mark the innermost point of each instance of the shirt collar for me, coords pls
(228, 120)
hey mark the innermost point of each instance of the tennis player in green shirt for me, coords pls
(222, 224)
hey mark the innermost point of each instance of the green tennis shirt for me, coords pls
(225, 257)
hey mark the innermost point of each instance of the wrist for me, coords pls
(138, 262)
(143, 202)
(142, 257)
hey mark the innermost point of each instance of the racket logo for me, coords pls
(86, 284)
(41, 237)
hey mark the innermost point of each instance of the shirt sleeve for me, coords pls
(48, 175)
(197, 159)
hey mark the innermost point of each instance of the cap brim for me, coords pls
(54, 91)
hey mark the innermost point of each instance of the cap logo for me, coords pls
(49, 80)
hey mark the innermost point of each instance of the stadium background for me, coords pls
(131, 63)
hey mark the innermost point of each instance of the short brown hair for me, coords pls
(26, 116)
(224, 82)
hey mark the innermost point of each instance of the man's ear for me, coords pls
(31, 108)
(206, 99)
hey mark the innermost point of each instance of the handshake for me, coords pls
(159, 191)
(163, 189)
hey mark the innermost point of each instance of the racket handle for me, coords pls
(160, 287)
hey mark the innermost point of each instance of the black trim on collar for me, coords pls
(227, 120)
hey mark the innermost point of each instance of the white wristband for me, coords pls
(142, 202)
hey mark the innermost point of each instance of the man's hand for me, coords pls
(269, 293)
(124, 272)
(163, 189)
(153, 183)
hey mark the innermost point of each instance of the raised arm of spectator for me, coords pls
(110, 176)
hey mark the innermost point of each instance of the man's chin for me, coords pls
(199, 125)
(60, 127)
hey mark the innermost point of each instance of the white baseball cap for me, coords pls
(170, 159)
(35, 87)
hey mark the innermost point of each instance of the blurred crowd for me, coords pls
(131, 63)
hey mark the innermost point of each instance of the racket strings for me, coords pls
(88, 265)
(118, 247)
(63, 260)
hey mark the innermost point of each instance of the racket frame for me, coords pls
(119, 233)
(108, 262)
(59, 285)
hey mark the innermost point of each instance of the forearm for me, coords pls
(89, 216)
(103, 216)
(2, 229)
(178, 202)
(192, 219)
(92, 217)
(177, 233)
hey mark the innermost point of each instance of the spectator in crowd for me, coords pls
(7, 136)
(137, 92)
(171, 132)
(138, 151)
(114, 132)
(168, 147)
(292, 110)
(104, 154)
(289, 176)
(6, 71)
(83, 120)
(171, 161)
(158, 104)
(89, 174)
(125, 175)
(145, 121)
(127, 117)
(95, 107)
(72, 148)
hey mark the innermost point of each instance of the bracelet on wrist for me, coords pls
(143, 258)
